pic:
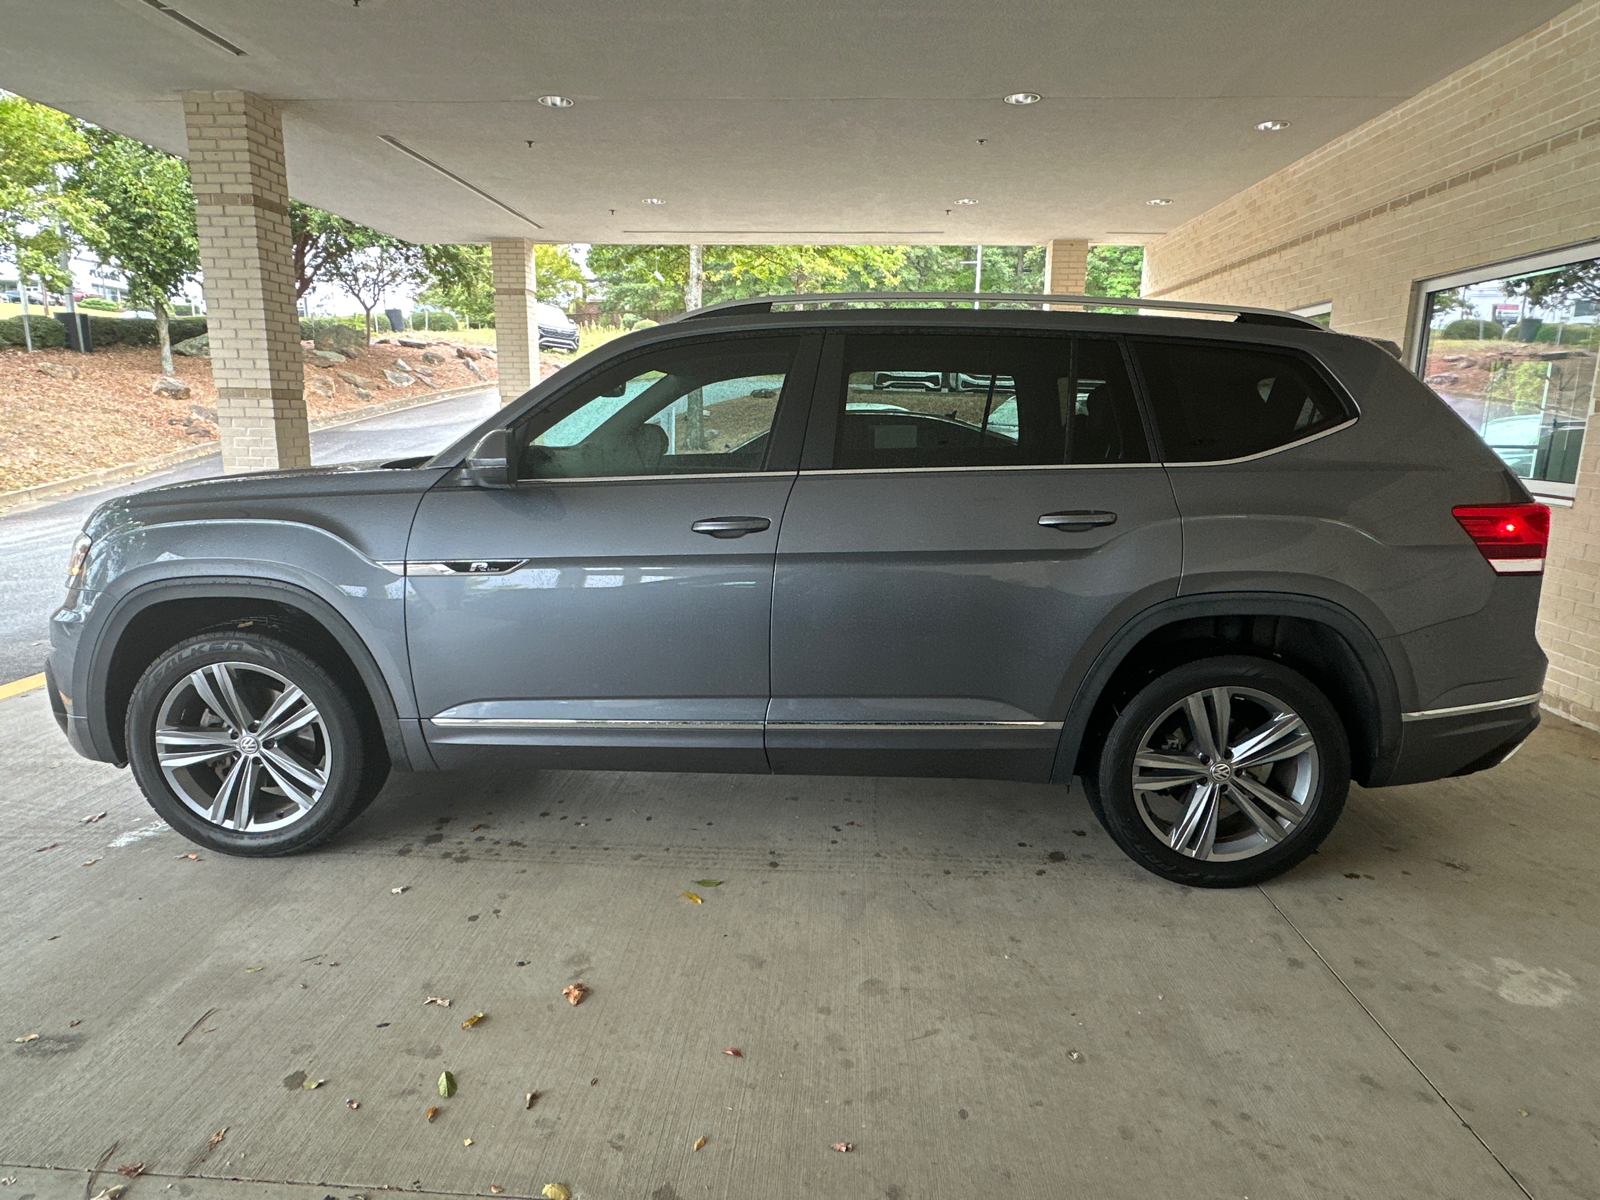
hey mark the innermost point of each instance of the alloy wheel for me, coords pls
(243, 747)
(1226, 773)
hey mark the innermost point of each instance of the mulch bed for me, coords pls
(55, 428)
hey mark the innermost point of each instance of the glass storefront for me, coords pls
(1514, 354)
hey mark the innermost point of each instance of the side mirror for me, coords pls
(488, 464)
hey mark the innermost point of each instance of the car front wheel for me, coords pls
(1222, 772)
(246, 746)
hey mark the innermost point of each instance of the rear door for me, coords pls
(612, 608)
(972, 508)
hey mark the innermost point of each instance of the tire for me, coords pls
(253, 717)
(1225, 819)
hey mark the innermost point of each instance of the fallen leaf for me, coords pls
(215, 1139)
(447, 1084)
(89, 862)
(692, 898)
(90, 820)
(250, 970)
(594, 1081)
(32, 1037)
(110, 1193)
(708, 883)
(312, 1085)
(466, 1141)
(844, 1147)
(131, 1170)
(556, 1191)
(73, 1024)
(382, 1025)
(495, 1189)
(472, 1020)
(532, 1097)
(51, 846)
(432, 1113)
(575, 992)
(736, 1053)
(439, 1000)
(400, 891)
(352, 1104)
(699, 1143)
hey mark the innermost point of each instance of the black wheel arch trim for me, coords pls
(148, 595)
(1368, 650)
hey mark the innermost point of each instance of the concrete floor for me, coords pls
(966, 980)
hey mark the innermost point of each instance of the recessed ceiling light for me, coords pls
(1272, 126)
(1023, 98)
(968, 201)
(556, 101)
(651, 200)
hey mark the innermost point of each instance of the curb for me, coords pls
(77, 483)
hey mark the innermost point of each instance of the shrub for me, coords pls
(629, 320)
(644, 323)
(47, 334)
(141, 331)
(1469, 331)
(99, 303)
(434, 320)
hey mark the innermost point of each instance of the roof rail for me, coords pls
(764, 304)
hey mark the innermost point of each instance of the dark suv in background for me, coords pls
(1215, 568)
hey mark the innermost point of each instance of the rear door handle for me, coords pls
(1077, 520)
(731, 527)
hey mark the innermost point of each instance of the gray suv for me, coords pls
(1217, 569)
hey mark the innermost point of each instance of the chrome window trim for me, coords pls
(1462, 710)
(1305, 441)
(990, 467)
(931, 725)
(687, 475)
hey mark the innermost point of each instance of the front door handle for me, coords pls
(731, 527)
(1077, 520)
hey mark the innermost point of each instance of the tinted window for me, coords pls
(675, 411)
(1216, 402)
(973, 400)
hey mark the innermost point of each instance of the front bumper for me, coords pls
(1437, 746)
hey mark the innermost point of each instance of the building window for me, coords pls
(1513, 350)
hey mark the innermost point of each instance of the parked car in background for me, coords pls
(557, 331)
(1214, 570)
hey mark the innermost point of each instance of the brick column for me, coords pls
(1066, 267)
(516, 327)
(241, 202)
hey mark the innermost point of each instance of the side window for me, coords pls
(1214, 402)
(974, 400)
(677, 410)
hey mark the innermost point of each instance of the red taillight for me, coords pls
(1511, 536)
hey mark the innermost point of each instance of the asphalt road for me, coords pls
(34, 543)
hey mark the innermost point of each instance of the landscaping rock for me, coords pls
(489, 352)
(471, 365)
(467, 352)
(337, 337)
(350, 352)
(58, 371)
(322, 384)
(195, 347)
(412, 343)
(203, 412)
(362, 394)
(328, 355)
(398, 378)
(355, 381)
(433, 358)
(177, 389)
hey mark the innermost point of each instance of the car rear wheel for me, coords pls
(246, 746)
(1222, 772)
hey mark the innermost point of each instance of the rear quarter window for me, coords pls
(1216, 402)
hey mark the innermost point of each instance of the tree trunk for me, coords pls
(368, 313)
(22, 294)
(694, 283)
(694, 421)
(163, 335)
(44, 294)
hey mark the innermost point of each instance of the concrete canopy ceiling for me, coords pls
(824, 121)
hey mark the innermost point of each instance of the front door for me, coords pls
(974, 507)
(613, 606)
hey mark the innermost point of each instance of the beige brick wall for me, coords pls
(242, 218)
(1066, 267)
(1499, 160)
(516, 328)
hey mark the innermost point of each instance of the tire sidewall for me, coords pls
(1120, 814)
(341, 799)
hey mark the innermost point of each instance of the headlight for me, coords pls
(79, 559)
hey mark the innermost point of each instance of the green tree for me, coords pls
(375, 265)
(654, 279)
(146, 227)
(459, 279)
(319, 240)
(39, 213)
(1114, 270)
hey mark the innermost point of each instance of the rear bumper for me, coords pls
(1458, 742)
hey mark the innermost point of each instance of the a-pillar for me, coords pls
(1066, 267)
(241, 204)
(516, 325)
